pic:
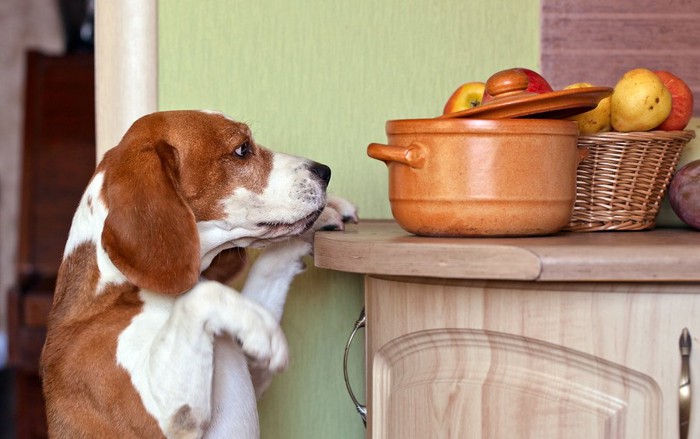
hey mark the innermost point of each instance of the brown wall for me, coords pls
(597, 41)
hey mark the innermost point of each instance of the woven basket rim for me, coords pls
(636, 136)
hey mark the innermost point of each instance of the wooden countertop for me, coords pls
(382, 247)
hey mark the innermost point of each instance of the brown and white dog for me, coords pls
(140, 343)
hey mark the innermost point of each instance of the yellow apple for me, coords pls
(640, 101)
(596, 120)
(466, 96)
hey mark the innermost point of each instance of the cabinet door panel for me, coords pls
(462, 383)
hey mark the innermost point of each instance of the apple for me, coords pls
(466, 96)
(684, 194)
(531, 81)
(681, 102)
(536, 83)
(596, 120)
(640, 101)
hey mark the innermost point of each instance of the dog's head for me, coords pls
(182, 186)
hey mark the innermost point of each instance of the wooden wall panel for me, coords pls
(597, 41)
(626, 6)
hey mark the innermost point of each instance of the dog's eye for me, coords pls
(243, 149)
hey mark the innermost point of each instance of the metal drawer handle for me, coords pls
(685, 344)
(361, 409)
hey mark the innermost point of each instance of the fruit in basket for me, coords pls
(535, 82)
(684, 194)
(596, 120)
(640, 101)
(681, 102)
(466, 96)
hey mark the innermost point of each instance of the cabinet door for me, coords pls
(527, 360)
(461, 383)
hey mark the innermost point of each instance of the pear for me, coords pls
(596, 120)
(640, 101)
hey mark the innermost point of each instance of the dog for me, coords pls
(144, 338)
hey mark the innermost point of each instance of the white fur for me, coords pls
(87, 226)
(89, 219)
(168, 349)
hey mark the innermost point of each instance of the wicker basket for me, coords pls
(621, 183)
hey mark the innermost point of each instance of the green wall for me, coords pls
(319, 79)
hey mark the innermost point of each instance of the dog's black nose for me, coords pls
(323, 172)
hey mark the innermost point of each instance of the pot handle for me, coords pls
(412, 155)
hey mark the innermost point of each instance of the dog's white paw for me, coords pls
(336, 214)
(218, 309)
(262, 339)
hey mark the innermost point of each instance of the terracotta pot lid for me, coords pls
(510, 100)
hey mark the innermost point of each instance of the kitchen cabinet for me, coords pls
(574, 335)
(58, 156)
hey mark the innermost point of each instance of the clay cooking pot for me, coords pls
(478, 177)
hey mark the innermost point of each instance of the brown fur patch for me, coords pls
(226, 265)
(211, 169)
(183, 423)
(87, 393)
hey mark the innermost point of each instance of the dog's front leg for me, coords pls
(268, 284)
(173, 369)
(273, 272)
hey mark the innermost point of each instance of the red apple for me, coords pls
(535, 82)
(681, 102)
(466, 96)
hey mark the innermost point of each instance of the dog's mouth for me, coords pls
(277, 229)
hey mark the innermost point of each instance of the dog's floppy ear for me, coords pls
(150, 233)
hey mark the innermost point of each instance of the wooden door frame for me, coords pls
(126, 66)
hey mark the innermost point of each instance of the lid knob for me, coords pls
(507, 82)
